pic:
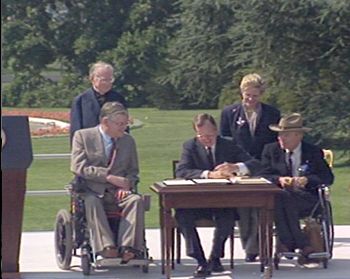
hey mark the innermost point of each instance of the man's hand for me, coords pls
(119, 181)
(220, 174)
(227, 168)
(295, 182)
(286, 181)
(300, 181)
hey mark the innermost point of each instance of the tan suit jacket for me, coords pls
(89, 160)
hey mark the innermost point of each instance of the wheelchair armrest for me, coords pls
(323, 193)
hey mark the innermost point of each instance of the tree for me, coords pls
(197, 57)
(302, 47)
(74, 34)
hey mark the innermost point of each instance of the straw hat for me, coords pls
(290, 123)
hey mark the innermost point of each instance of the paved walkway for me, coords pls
(37, 261)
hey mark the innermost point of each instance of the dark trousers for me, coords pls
(290, 206)
(224, 219)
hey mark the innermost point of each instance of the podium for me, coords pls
(16, 157)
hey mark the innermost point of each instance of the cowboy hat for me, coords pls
(292, 122)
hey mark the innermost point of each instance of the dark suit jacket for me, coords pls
(274, 165)
(235, 125)
(85, 110)
(194, 158)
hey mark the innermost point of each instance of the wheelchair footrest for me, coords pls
(289, 254)
(110, 262)
(319, 255)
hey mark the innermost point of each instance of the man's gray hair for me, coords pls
(200, 119)
(112, 109)
(98, 65)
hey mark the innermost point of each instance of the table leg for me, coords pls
(269, 241)
(162, 236)
(262, 238)
(266, 231)
(168, 240)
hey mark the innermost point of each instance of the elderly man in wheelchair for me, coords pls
(104, 160)
(299, 169)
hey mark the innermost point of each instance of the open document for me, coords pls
(249, 180)
(177, 182)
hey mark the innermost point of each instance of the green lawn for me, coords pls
(159, 141)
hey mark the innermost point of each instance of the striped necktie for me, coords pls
(290, 163)
(112, 150)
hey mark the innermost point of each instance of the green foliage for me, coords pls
(301, 47)
(74, 34)
(197, 60)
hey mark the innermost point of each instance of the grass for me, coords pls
(159, 141)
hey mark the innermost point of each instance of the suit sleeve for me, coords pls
(251, 163)
(75, 117)
(186, 168)
(266, 166)
(133, 166)
(225, 129)
(80, 164)
(320, 172)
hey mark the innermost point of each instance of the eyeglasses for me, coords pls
(206, 136)
(119, 124)
(105, 80)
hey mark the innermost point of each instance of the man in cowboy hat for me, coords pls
(298, 168)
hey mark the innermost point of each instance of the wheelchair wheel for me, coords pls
(276, 261)
(325, 263)
(145, 268)
(328, 228)
(86, 264)
(63, 239)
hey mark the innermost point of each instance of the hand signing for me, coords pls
(220, 174)
(286, 181)
(228, 168)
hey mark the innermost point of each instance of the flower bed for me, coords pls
(48, 129)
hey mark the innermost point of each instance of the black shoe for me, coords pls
(215, 265)
(250, 258)
(201, 271)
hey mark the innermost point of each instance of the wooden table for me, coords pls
(217, 195)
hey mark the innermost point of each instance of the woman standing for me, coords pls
(247, 123)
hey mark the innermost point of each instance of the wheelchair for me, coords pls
(73, 238)
(322, 215)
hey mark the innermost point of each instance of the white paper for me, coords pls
(175, 182)
(247, 180)
(211, 180)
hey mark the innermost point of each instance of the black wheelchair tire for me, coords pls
(276, 261)
(86, 264)
(63, 239)
(330, 227)
(145, 268)
(325, 263)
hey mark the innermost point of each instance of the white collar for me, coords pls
(106, 138)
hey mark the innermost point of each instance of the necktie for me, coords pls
(112, 151)
(290, 163)
(210, 158)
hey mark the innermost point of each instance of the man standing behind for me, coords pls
(86, 107)
(298, 168)
(210, 156)
(247, 123)
(106, 158)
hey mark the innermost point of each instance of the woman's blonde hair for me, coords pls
(253, 80)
